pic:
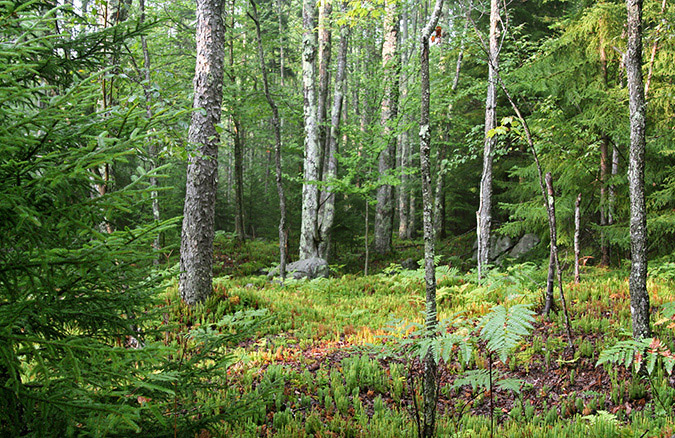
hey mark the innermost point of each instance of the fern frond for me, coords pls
(503, 328)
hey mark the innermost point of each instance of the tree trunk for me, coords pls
(639, 297)
(324, 55)
(277, 148)
(239, 229)
(485, 202)
(604, 160)
(238, 141)
(549, 303)
(604, 167)
(655, 46)
(554, 250)
(439, 194)
(577, 227)
(152, 141)
(430, 366)
(404, 140)
(309, 238)
(196, 256)
(384, 211)
(612, 187)
(330, 172)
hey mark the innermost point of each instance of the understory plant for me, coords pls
(500, 331)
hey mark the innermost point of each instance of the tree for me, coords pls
(309, 238)
(67, 290)
(277, 147)
(327, 210)
(196, 256)
(639, 297)
(430, 365)
(484, 214)
(384, 212)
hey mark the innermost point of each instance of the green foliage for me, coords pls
(503, 328)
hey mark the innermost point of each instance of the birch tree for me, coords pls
(639, 298)
(484, 214)
(309, 238)
(330, 170)
(384, 211)
(430, 366)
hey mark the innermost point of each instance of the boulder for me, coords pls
(310, 268)
(410, 264)
(524, 245)
(498, 247)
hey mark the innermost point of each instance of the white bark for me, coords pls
(485, 203)
(309, 235)
(639, 297)
(384, 211)
(430, 366)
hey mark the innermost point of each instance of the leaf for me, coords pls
(503, 329)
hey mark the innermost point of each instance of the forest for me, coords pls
(337, 218)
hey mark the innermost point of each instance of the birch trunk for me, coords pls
(330, 172)
(430, 366)
(577, 228)
(276, 124)
(404, 140)
(485, 202)
(554, 251)
(324, 55)
(152, 141)
(439, 194)
(612, 187)
(309, 238)
(604, 168)
(639, 297)
(196, 256)
(384, 212)
(238, 141)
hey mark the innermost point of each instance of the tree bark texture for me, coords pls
(604, 172)
(309, 237)
(384, 211)
(655, 46)
(439, 194)
(612, 188)
(404, 139)
(639, 297)
(577, 230)
(430, 366)
(485, 203)
(554, 250)
(276, 124)
(330, 171)
(196, 256)
(239, 229)
(604, 169)
(152, 141)
(324, 54)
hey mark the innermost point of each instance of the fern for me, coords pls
(504, 328)
(644, 352)
(480, 379)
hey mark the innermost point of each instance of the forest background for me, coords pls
(97, 102)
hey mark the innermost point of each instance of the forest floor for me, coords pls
(336, 357)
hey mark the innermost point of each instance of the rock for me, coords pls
(498, 247)
(410, 264)
(524, 245)
(310, 268)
